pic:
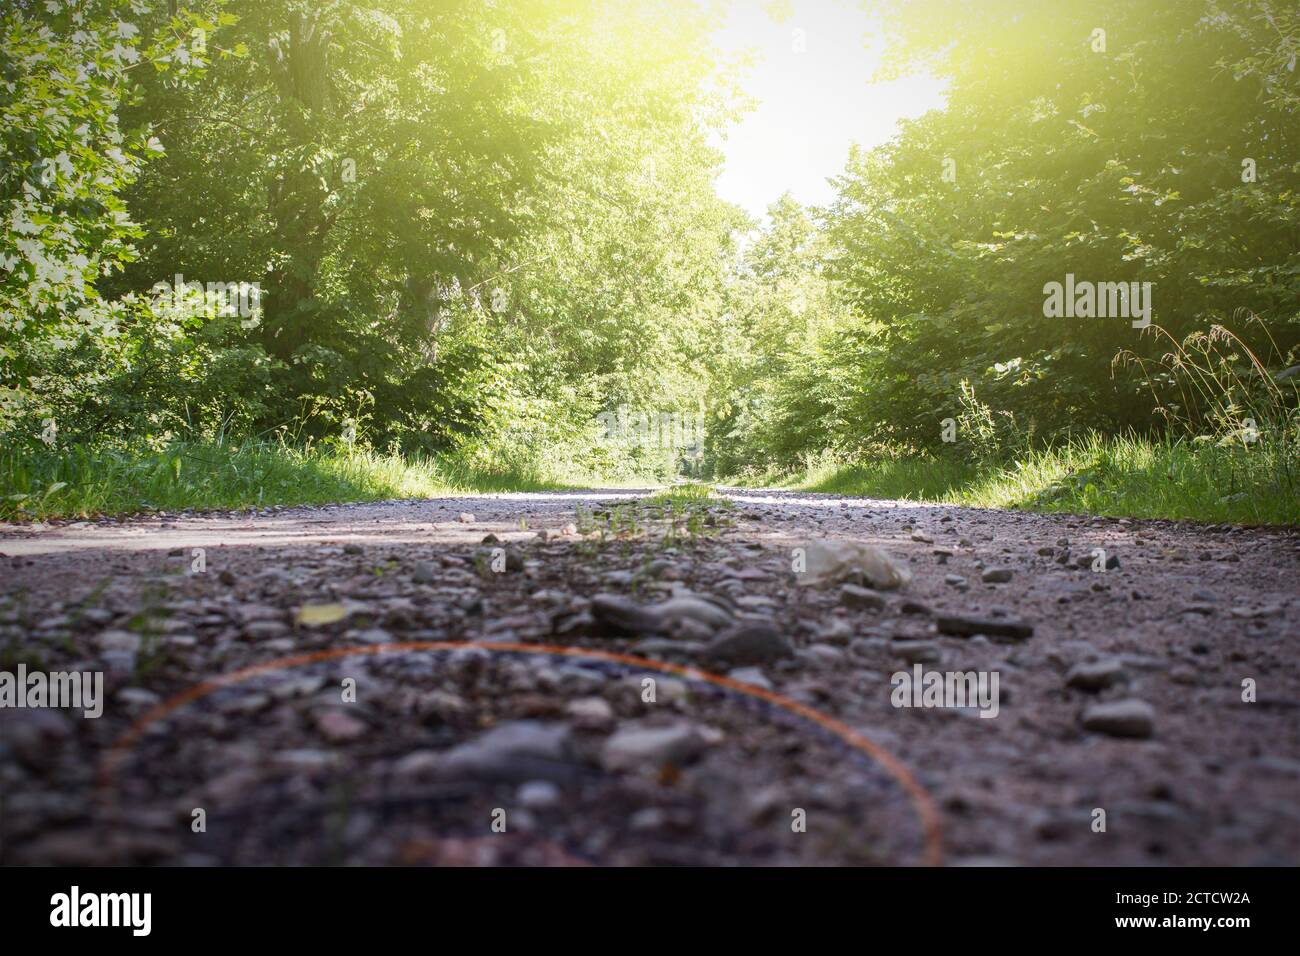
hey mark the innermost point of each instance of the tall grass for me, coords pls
(83, 481)
(1124, 476)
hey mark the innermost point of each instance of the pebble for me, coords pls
(750, 675)
(538, 794)
(465, 518)
(1094, 675)
(340, 727)
(835, 631)
(517, 751)
(620, 614)
(997, 575)
(650, 747)
(968, 626)
(855, 596)
(591, 713)
(678, 609)
(750, 642)
(1121, 718)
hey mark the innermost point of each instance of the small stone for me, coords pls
(750, 675)
(490, 538)
(424, 573)
(835, 631)
(465, 518)
(340, 727)
(652, 747)
(1121, 718)
(621, 615)
(352, 549)
(1256, 612)
(517, 751)
(997, 576)
(867, 646)
(591, 713)
(967, 626)
(1094, 675)
(538, 794)
(750, 642)
(683, 608)
(852, 595)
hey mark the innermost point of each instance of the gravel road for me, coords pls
(585, 679)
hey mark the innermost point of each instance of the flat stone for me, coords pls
(517, 751)
(854, 596)
(750, 642)
(339, 727)
(1094, 675)
(968, 626)
(1121, 718)
(750, 675)
(651, 747)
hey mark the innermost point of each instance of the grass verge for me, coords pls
(85, 482)
(1118, 476)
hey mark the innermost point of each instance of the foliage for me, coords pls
(475, 231)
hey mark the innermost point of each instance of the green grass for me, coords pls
(1120, 477)
(684, 495)
(84, 482)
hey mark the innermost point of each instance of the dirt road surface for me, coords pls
(602, 682)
